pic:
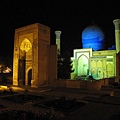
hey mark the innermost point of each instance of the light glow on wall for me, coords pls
(7, 70)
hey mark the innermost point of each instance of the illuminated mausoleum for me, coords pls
(35, 59)
(93, 59)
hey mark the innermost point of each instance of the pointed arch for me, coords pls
(110, 69)
(99, 64)
(28, 76)
(82, 65)
(25, 45)
(100, 73)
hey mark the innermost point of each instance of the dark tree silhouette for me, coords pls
(64, 66)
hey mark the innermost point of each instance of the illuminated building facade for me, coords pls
(93, 59)
(35, 60)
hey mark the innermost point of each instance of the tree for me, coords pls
(64, 66)
(59, 67)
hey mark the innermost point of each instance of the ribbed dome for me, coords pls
(93, 37)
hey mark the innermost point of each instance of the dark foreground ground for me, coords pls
(98, 105)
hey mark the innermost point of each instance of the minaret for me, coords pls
(58, 33)
(117, 34)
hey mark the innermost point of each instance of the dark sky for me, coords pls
(69, 16)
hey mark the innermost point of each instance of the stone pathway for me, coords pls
(99, 105)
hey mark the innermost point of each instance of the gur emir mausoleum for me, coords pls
(35, 59)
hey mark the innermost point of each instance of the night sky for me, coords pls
(69, 16)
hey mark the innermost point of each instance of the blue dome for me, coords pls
(93, 37)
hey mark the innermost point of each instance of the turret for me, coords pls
(58, 33)
(117, 34)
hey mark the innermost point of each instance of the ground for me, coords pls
(100, 105)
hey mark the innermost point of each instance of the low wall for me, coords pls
(59, 83)
(95, 85)
(89, 85)
(73, 83)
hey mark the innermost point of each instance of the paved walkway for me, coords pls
(96, 107)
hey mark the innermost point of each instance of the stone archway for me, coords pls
(82, 65)
(100, 73)
(32, 50)
(28, 76)
(110, 70)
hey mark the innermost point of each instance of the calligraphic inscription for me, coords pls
(25, 45)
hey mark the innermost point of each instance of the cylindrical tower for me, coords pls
(58, 33)
(117, 34)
